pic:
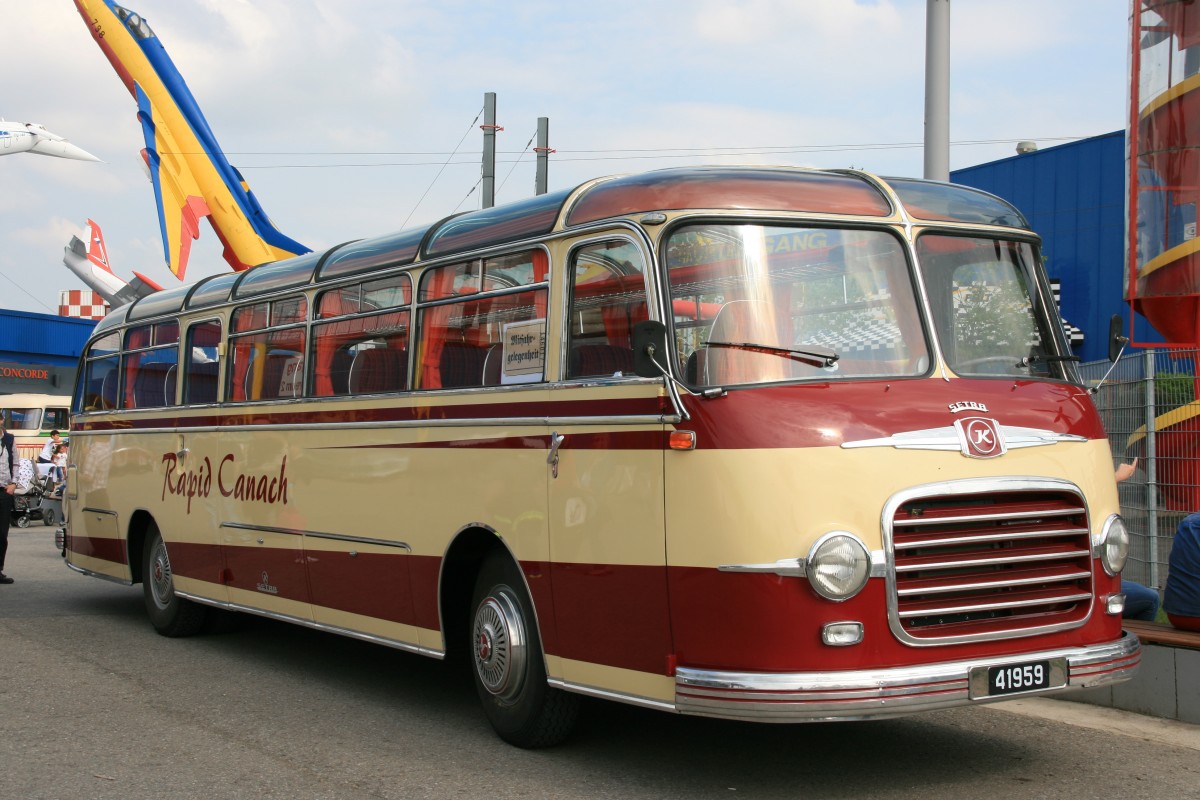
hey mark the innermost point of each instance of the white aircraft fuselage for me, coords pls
(30, 137)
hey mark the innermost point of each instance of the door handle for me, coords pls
(556, 440)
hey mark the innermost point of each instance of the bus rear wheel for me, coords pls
(170, 614)
(510, 676)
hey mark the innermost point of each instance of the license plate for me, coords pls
(1029, 676)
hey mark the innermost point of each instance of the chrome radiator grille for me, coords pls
(971, 565)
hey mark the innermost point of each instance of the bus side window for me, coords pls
(608, 297)
(494, 333)
(268, 362)
(366, 353)
(200, 363)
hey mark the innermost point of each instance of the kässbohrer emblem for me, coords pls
(980, 437)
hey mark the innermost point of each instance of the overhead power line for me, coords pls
(564, 154)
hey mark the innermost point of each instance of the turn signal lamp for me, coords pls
(682, 440)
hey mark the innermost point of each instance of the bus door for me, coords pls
(606, 505)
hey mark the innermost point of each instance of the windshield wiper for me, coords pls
(812, 354)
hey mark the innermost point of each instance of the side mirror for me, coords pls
(1116, 340)
(650, 349)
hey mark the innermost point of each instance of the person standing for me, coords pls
(6, 497)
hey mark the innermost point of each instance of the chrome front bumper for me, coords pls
(877, 693)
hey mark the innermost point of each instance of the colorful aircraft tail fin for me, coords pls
(189, 172)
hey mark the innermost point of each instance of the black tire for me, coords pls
(48, 516)
(170, 614)
(510, 675)
(23, 521)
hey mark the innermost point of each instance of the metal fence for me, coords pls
(1150, 413)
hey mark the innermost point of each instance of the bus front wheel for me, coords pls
(510, 676)
(170, 614)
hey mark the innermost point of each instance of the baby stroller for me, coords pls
(32, 499)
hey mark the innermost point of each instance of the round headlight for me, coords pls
(1114, 546)
(838, 566)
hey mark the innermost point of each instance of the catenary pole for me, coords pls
(937, 90)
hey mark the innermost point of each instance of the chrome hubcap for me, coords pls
(499, 644)
(160, 575)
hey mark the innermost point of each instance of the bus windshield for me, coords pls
(761, 304)
(986, 309)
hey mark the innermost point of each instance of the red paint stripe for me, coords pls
(795, 416)
(112, 550)
(823, 415)
(632, 617)
(745, 621)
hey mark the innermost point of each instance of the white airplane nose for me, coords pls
(62, 149)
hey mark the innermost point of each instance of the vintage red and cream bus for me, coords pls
(762, 444)
(31, 417)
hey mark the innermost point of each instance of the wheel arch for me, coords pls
(464, 558)
(139, 524)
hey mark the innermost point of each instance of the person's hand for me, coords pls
(11, 488)
(1125, 471)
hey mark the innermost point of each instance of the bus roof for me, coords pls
(787, 189)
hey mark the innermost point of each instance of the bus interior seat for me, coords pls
(202, 382)
(272, 377)
(741, 321)
(339, 371)
(376, 370)
(694, 371)
(169, 381)
(148, 386)
(493, 365)
(108, 389)
(593, 360)
(461, 365)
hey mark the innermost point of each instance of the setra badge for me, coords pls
(980, 437)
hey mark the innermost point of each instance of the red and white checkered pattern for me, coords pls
(82, 304)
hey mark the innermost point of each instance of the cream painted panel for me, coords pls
(759, 506)
(119, 571)
(606, 506)
(623, 681)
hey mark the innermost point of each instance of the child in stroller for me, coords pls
(31, 501)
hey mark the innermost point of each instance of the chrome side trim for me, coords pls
(100, 575)
(395, 644)
(947, 438)
(878, 693)
(607, 694)
(473, 422)
(798, 567)
(90, 510)
(241, 526)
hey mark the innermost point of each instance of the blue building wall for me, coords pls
(1074, 197)
(51, 343)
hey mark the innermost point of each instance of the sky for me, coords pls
(354, 118)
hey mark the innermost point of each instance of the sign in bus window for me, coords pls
(523, 351)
